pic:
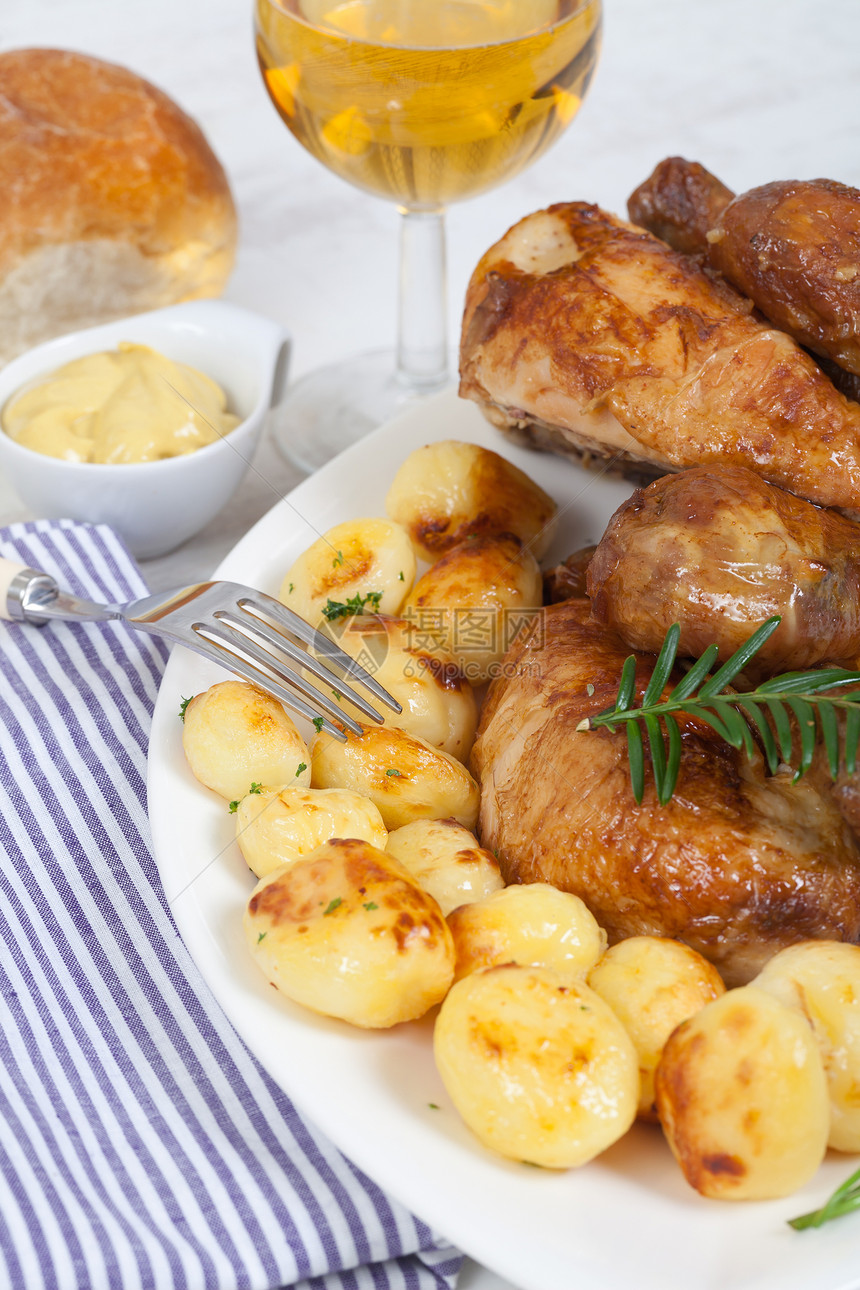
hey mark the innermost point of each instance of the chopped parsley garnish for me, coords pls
(370, 905)
(338, 559)
(395, 773)
(337, 694)
(260, 937)
(318, 723)
(256, 788)
(356, 604)
(301, 766)
(434, 1106)
(292, 588)
(332, 906)
(183, 705)
(400, 577)
(234, 806)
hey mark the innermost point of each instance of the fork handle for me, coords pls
(30, 596)
(20, 587)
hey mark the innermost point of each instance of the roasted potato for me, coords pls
(235, 735)
(447, 860)
(277, 826)
(438, 702)
(652, 984)
(540, 1069)
(742, 1097)
(529, 924)
(370, 559)
(476, 600)
(822, 980)
(447, 491)
(347, 932)
(406, 778)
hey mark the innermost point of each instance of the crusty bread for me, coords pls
(113, 201)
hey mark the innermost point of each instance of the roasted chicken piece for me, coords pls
(567, 580)
(737, 865)
(719, 550)
(792, 247)
(586, 335)
(679, 202)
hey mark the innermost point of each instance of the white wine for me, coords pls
(427, 101)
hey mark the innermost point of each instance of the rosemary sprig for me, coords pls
(767, 709)
(843, 1201)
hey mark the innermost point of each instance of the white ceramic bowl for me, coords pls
(157, 505)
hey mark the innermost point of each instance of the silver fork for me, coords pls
(243, 630)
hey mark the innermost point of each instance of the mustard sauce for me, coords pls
(126, 405)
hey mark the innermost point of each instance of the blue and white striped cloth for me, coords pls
(141, 1145)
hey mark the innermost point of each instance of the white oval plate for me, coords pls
(627, 1219)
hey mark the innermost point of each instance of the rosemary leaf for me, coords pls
(804, 715)
(830, 735)
(663, 666)
(752, 706)
(627, 688)
(812, 698)
(697, 673)
(738, 661)
(658, 751)
(845, 1199)
(852, 738)
(715, 720)
(636, 755)
(782, 726)
(673, 761)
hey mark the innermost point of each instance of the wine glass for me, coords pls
(423, 102)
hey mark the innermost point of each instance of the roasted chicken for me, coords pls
(589, 336)
(792, 247)
(737, 865)
(719, 550)
(679, 202)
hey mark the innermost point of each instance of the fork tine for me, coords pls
(311, 636)
(215, 651)
(251, 626)
(233, 640)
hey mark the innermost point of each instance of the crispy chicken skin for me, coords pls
(792, 247)
(586, 335)
(737, 865)
(719, 550)
(679, 202)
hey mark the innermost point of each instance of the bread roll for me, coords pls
(113, 202)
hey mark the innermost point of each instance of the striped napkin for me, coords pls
(141, 1145)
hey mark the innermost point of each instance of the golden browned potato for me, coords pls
(406, 778)
(447, 860)
(280, 825)
(533, 923)
(743, 1099)
(447, 491)
(540, 1069)
(652, 984)
(347, 932)
(822, 980)
(438, 702)
(235, 735)
(370, 559)
(476, 599)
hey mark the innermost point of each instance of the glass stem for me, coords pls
(422, 339)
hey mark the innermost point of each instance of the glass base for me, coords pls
(333, 407)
